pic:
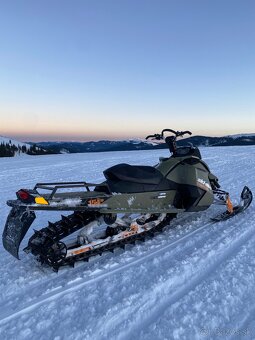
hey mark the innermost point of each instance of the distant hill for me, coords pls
(242, 139)
(126, 145)
(10, 147)
(100, 146)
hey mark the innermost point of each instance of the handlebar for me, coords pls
(170, 140)
(176, 133)
(158, 136)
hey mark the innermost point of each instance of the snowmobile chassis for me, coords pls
(156, 194)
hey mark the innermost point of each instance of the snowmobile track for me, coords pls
(56, 293)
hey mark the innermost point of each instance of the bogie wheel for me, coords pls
(56, 253)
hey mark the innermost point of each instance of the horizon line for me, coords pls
(43, 140)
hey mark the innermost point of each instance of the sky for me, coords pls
(113, 69)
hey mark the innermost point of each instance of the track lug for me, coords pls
(52, 227)
(65, 219)
(37, 232)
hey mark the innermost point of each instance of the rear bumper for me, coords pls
(58, 206)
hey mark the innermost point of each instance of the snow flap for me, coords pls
(18, 222)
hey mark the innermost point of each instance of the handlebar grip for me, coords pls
(156, 136)
(150, 136)
(188, 132)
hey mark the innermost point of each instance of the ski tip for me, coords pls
(246, 196)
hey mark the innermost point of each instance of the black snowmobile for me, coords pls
(132, 203)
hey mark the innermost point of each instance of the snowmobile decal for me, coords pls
(162, 195)
(95, 201)
(79, 251)
(203, 184)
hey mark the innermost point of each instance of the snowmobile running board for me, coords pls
(48, 246)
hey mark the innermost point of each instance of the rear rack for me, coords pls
(55, 186)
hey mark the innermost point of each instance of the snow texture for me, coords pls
(195, 280)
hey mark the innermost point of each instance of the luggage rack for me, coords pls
(56, 186)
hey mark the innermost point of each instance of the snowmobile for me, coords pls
(131, 204)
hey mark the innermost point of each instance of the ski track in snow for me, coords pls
(59, 291)
(195, 280)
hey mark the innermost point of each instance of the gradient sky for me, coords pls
(90, 69)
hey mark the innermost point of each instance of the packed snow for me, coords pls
(195, 280)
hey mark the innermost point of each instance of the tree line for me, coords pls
(9, 150)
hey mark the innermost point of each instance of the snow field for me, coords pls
(193, 281)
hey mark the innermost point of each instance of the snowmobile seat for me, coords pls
(125, 178)
(134, 173)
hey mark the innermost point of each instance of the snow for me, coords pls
(70, 202)
(195, 280)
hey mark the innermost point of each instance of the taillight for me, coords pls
(25, 196)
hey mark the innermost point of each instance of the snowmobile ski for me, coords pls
(245, 201)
